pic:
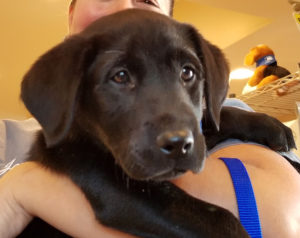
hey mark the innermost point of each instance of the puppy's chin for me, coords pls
(158, 173)
(173, 174)
(164, 176)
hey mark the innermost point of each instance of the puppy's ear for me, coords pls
(50, 87)
(216, 74)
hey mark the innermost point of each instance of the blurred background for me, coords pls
(29, 28)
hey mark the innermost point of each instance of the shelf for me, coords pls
(277, 99)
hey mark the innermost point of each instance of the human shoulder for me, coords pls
(276, 186)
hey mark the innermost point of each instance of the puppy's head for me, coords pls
(135, 82)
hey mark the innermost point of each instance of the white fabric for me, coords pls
(16, 138)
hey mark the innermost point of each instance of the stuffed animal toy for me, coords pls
(267, 69)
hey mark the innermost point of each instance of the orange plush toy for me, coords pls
(267, 69)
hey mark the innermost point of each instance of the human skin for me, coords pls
(30, 190)
(84, 12)
(275, 182)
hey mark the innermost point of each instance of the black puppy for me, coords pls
(120, 106)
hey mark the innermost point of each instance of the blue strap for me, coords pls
(245, 197)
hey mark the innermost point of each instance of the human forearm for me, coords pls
(54, 198)
(13, 217)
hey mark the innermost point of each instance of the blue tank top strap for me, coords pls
(245, 197)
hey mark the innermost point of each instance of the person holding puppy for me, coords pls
(29, 190)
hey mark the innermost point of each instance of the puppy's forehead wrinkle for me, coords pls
(190, 51)
(184, 55)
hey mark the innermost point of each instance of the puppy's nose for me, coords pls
(176, 143)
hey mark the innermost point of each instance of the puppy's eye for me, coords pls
(187, 74)
(121, 77)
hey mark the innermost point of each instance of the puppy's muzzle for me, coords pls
(174, 144)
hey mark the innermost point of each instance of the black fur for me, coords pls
(120, 136)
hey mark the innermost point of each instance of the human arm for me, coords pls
(29, 190)
(276, 185)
